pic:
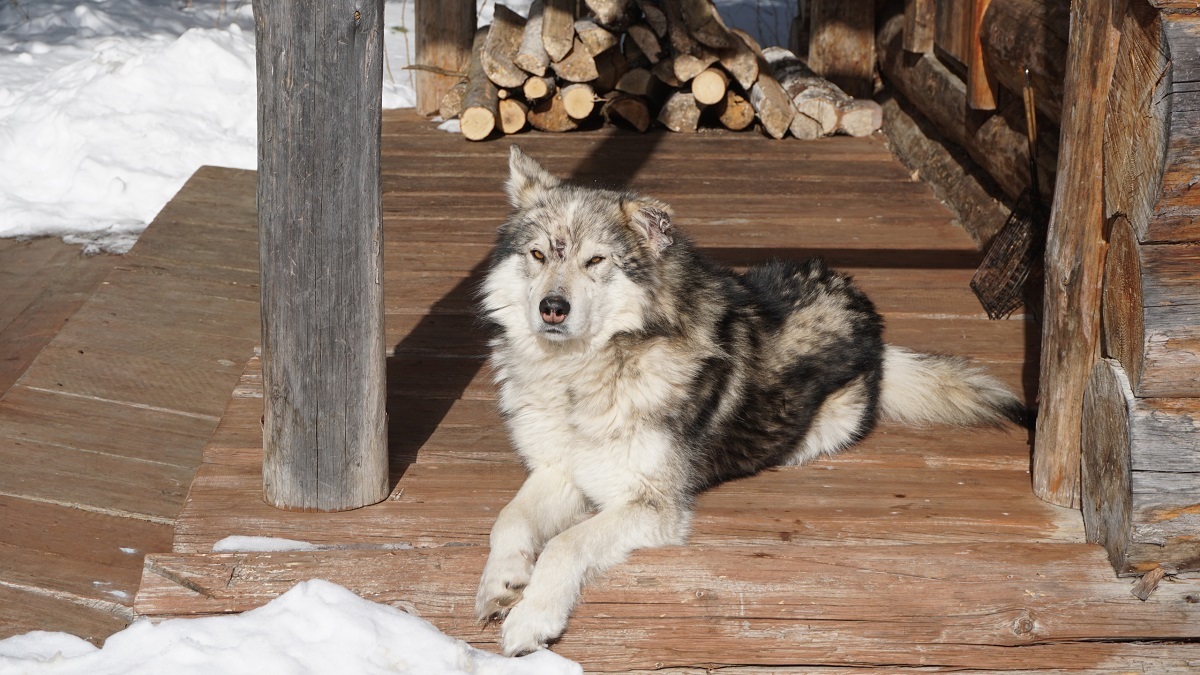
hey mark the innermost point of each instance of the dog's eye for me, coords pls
(596, 260)
(538, 255)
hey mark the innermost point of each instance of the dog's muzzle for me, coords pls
(554, 309)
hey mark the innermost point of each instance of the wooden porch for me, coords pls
(917, 549)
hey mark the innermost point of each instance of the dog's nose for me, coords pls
(554, 308)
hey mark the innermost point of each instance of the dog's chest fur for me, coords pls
(596, 416)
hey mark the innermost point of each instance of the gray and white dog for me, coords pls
(635, 374)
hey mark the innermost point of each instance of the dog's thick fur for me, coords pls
(635, 374)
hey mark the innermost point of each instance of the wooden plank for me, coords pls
(962, 604)
(919, 25)
(952, 31)
(22, 611)
(1075, 253)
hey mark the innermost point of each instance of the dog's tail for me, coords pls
(937, 389)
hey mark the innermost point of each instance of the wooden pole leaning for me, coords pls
(320, 67)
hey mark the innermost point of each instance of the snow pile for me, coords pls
(317, 627)
(108, 106)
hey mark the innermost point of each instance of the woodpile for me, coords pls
(636, 63)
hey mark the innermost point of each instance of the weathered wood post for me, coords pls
(443, 43)
(320, 70)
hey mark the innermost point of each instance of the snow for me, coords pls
(316, 627)
(108, 106)
(239, 542)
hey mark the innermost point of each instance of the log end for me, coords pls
(1106, 480)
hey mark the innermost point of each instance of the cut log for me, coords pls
(664, 70)
(919, 18)
(1151, 313)
(627, 109)
(500, 48)
(981, 87)
(688, 66)
(710, 86)
(443, 42)
(611, 13)
(579, 100)
(813, 96)
(513, 115)
(653, 15)
(643, 36)
(740, 61)
(549, 114)
(841, 45)
(859, 117)
(704, 23)
(531, 55)
(997, 146)
(594, 37)
(734, 111)
(538, 88)
(610, 66)
(481, 100)
(452, 102)
(681, 112)
(1141, 475)
(577, 66)
(558, 27)
(640, 82)
(771, 103)
(678, 36)
(1017, 34)
(1152, 131)
(1074, 255)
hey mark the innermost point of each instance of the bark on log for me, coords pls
(813, 96)
(594, 37)
(919, 17)
(1152, 132)
(627, 109)
(678, 36)
(993, 143)
(452, 102)
(710, 86)
(1151, 313)
(681, 112)
(500, 48)
(558, 27)
(579, 100)
(513, 115)
(1075, 253)
(481, 100)
(550, 114)
(771, 103)
(577, 66)
(443, 41)
(735, 112)
(859, 117)
(531, 55)
(841, 46)
(1016, 34)
(321, 246)
(1141, 475)
(538, 88)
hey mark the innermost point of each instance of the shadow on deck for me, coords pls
(917, 549)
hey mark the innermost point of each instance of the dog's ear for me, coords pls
(651, 219)
(527, 180)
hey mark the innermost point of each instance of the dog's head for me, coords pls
(574, 264)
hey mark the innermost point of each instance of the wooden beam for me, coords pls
(919, 16)
(841, 44)
(321, 250)
(442, 41)
(981, 85)
(1075, 251)
(1016, 34)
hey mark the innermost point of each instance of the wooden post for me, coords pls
(1075, 251)
(841, 46)
(443, 42)
(320, 71)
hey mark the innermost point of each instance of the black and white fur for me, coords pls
(634, 374)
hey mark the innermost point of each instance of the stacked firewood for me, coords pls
(637, 62)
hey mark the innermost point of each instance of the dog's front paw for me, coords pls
(530, 627)
(503, 582)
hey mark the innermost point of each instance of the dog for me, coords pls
(634, 374)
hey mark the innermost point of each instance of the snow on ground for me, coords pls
(316, 627)
(108, 106)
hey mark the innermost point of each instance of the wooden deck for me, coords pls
(114, 371)
(918, 549)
